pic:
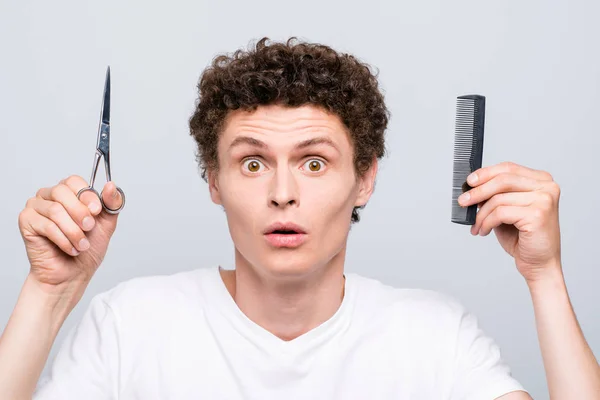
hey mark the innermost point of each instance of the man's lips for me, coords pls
(284, 227)
(289, 240)
(285, 234)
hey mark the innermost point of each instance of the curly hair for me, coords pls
(291, 74)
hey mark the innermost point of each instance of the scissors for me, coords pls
(103, 148)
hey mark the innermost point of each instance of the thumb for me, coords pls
(106, 223)
(111, 197)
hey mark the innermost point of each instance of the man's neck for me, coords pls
(290, 308)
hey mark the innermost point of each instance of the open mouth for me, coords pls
(287, 235)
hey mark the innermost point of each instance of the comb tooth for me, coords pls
(468, 152)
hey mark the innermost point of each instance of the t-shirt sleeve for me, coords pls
(480, 372)
(86, 364)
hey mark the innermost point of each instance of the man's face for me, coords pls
(288, 165)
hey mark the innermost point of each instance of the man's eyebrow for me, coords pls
(238, 141)
(302, 145)
(315, 141)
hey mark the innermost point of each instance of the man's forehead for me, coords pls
(305, 118)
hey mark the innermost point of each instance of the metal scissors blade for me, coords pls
(106, 99)
(103, 148)
(103, 142)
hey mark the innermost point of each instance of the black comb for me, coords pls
(468, 152)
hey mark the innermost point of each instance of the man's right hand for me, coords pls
(66, 238)
(53, 223)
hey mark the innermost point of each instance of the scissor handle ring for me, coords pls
(118, 210)
(88, 189)
(108, 210)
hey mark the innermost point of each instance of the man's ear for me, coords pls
(213, 187)
(366, 184)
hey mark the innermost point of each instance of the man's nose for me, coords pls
(283, 189)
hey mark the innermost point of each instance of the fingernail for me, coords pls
(74, 251)
(115, 193)
(94, 207)
(472, 179)
(88, 223)
(464, 197)
(84, 244)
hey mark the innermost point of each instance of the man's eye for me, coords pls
(314, 165)
(252, 165)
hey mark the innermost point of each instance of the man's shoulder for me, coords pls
(154, 290)
(408, 302)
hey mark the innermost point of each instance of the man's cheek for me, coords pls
(330, 205)
(239, 197)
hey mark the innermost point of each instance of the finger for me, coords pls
(56, 212)
(510, 215)
(482, 175)
(77, 211)
(89, 198)
(502, 183)
(111, 196)
(47, 228)
(501, 199)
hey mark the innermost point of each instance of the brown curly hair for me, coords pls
(291, 74)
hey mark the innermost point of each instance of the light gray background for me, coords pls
(536, 61)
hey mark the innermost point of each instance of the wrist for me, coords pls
(55, 302)
(549, 280)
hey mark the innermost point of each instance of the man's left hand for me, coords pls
(521, 205)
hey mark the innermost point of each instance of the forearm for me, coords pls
(27, 339)
(572, 371)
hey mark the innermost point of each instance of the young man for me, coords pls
(289, 136)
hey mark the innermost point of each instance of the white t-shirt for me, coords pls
(182, 336)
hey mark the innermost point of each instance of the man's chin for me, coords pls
(281, 265)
